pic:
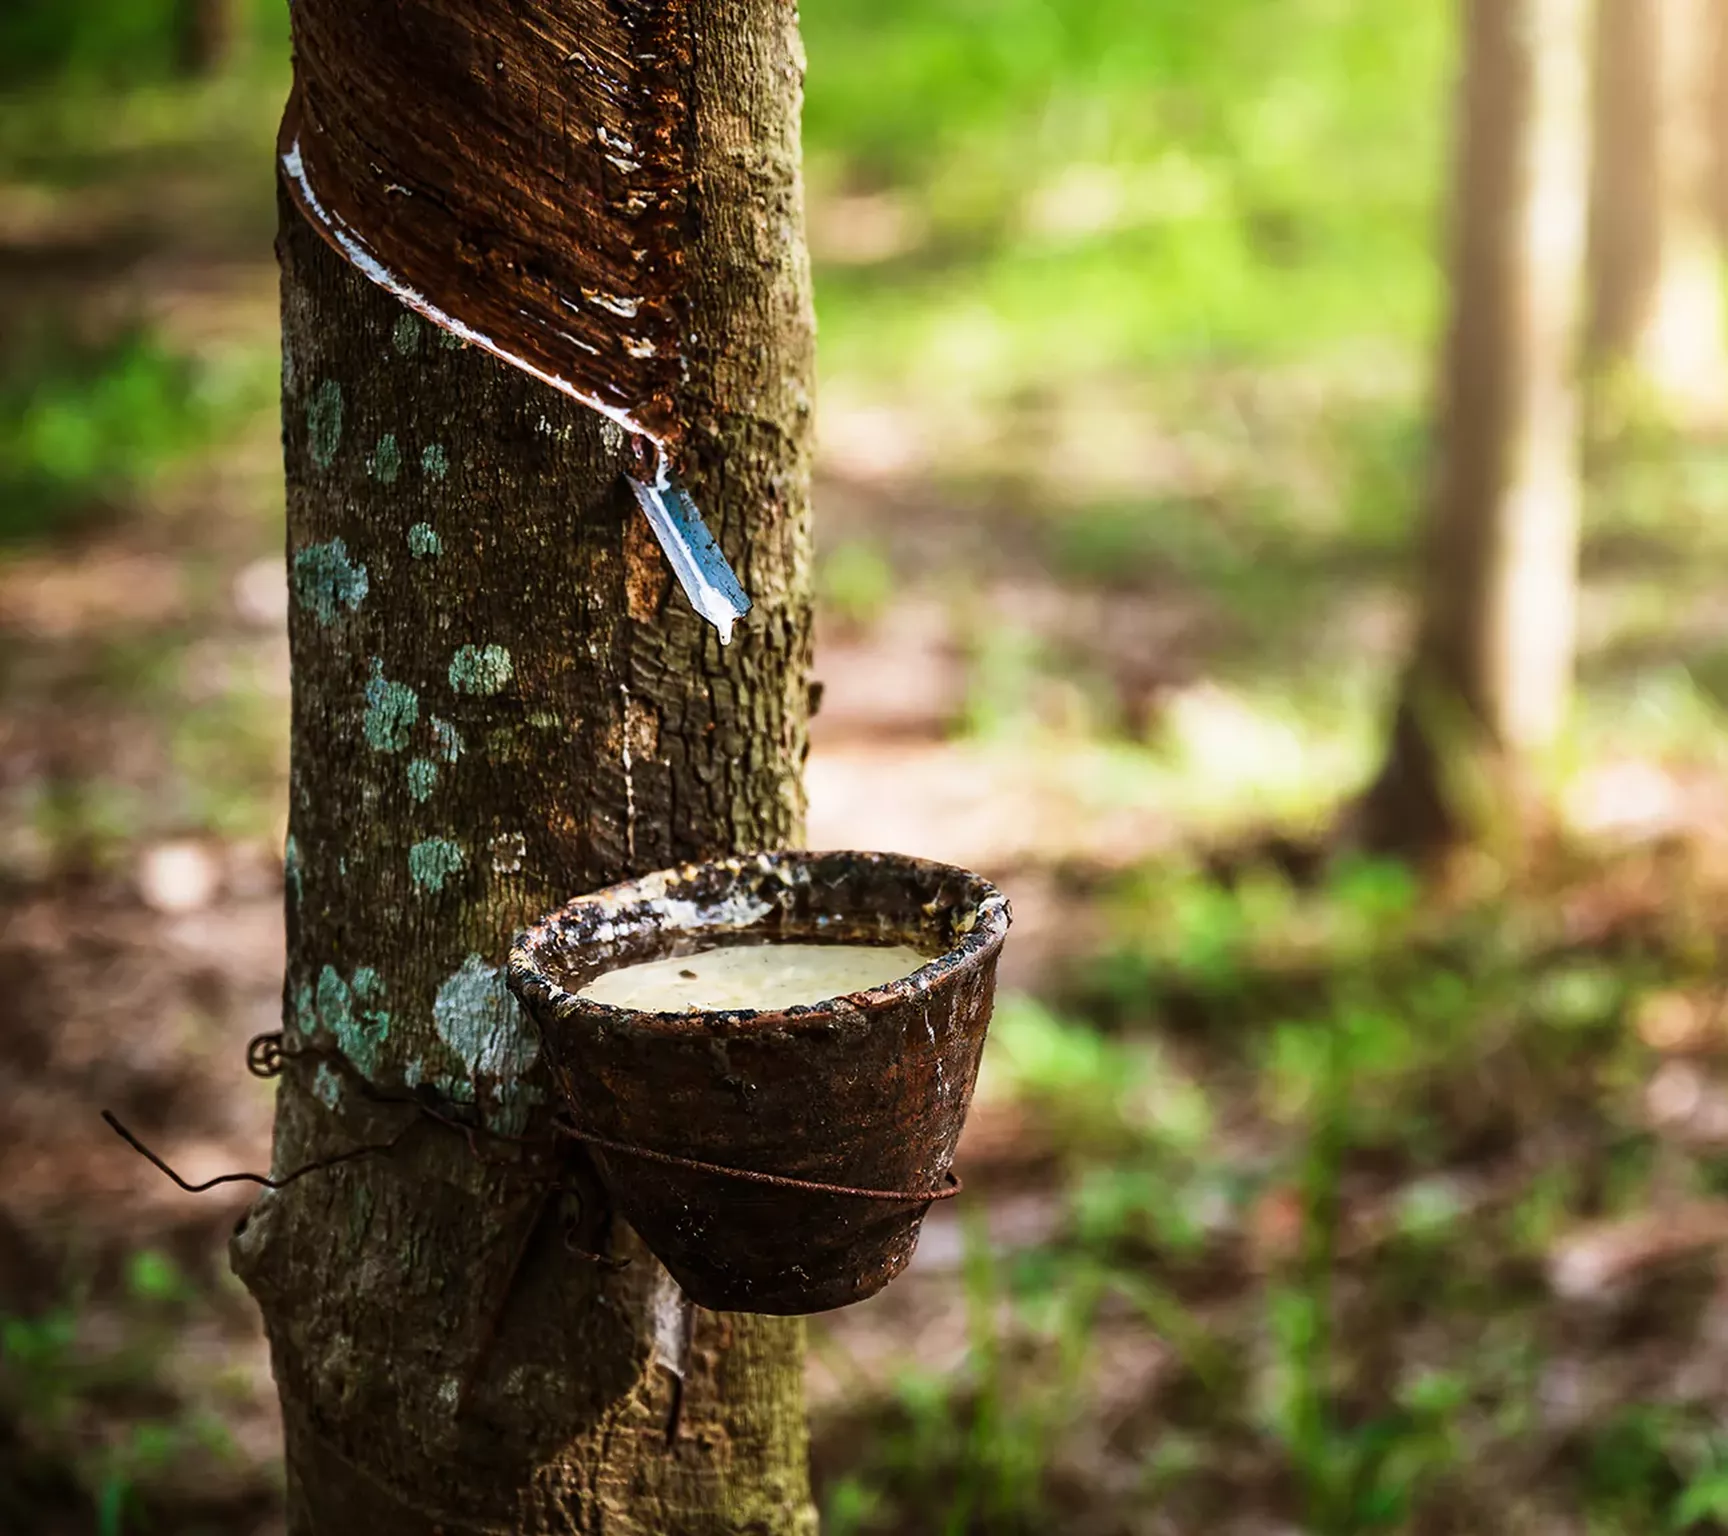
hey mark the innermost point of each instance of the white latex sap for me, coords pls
(752, 976)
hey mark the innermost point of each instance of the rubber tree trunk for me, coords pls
(1656, 310)
(1489, 680)
(499, 700)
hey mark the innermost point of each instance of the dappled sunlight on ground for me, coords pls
(1292, 1185)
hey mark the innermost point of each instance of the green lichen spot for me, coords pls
(324, 422)
(327, 1084)
(391, 710)
(481, 1022)
(350, 1011)
(405, 335)
(432, 862)
(423, 541)
(326, 581)
(435, 461)
(480, 669)
(450, 341)
(332, 999)
(291, 869)
(385, 464)
(448, 739)
(368, 985)
(422, 778)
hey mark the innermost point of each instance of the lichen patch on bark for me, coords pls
(352, 1011)
(432, 861)
(478, 1018)
(325, 581)
(324, 423)
(385, 461)
(422, 778)
(480, 669)
(391, 710)
(447, 739)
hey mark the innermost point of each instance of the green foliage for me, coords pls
(78, 424)
(1656, 1468)
(152, 1276)
(1704, 1500)
(58, 1369)
(129, 38)
(84, 824)
(1122, 543)
(37, 1352)
(106, 40)
(1308, 1138)
(1626, 1466)
(973, 1452)
(1111, 183)
(856, 582)
(1004, 665)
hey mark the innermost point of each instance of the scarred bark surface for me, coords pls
(524, 169)
(500, 700)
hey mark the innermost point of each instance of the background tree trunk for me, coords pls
(499, 701)
(1490, 677)
(1656, 312)
(208, 33)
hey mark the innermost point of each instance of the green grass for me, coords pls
(1319, 1141)
(57, 1380)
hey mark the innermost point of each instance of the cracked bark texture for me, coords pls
(499, 701)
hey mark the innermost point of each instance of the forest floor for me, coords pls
(1300, 1197)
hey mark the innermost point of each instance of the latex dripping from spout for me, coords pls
(691, 550)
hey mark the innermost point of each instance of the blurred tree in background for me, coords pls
(1490, 684)
(1656, 313)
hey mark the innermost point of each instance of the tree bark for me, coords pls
(499, 701)
(1656, 311)
(1490, 676)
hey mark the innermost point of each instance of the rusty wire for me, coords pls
(267, 1053)
(113, 1122)
(751, 1175)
